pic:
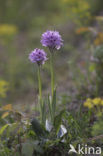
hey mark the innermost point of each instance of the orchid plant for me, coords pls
(39, 56)
(53, 41)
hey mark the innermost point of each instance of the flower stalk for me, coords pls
(39, 83)
(53, 91)
(52, 73)
(40, 93)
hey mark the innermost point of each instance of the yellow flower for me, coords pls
(96, 101)
(7, 107)
(3, 88)
(8, 29)
(88, 103)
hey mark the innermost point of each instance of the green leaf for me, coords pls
(3, 128)
(58, 120)
(97, 128)
(44, 112)
(49, 105)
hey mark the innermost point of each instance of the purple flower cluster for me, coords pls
(52, 39)
(38, 55)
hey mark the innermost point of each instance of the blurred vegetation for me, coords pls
(20, 29)
(79, 66)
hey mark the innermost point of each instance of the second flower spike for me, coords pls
(38, 56)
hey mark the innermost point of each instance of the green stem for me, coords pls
(52, 73)
(40, 85)
(40, 94)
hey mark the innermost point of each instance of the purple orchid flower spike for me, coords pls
(52, 40)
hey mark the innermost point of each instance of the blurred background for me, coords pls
(21, 26)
